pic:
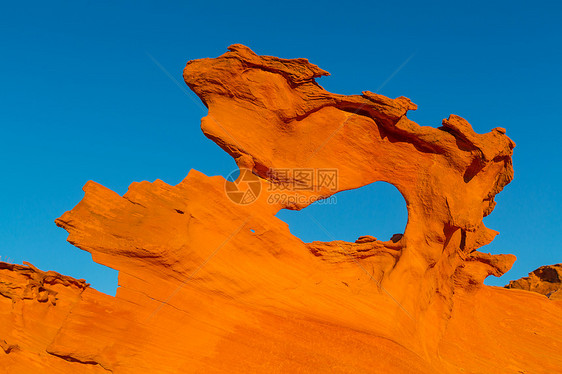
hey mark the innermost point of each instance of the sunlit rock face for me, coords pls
(210, 281)
(546, 280)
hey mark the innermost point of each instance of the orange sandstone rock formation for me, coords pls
(209, 283)
(546, 280)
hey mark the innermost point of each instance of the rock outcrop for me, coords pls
(210, 281)
(546, 280)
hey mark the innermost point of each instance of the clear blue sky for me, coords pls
(81, 99)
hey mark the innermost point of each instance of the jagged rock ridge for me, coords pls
(546, 280)
(212, 285)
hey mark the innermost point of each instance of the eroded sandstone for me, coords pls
(546, 280)
(212, 285)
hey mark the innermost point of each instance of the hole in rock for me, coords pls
(377, 209)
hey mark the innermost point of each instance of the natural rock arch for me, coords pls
(377, 210)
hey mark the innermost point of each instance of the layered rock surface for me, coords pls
(546, 280)
(212, 284)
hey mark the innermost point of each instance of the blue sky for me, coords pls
(81, 99)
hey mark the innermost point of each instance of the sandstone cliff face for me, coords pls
(546, 280)
(210, 281)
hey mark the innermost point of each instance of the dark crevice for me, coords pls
(463, 240)
(75, 360)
